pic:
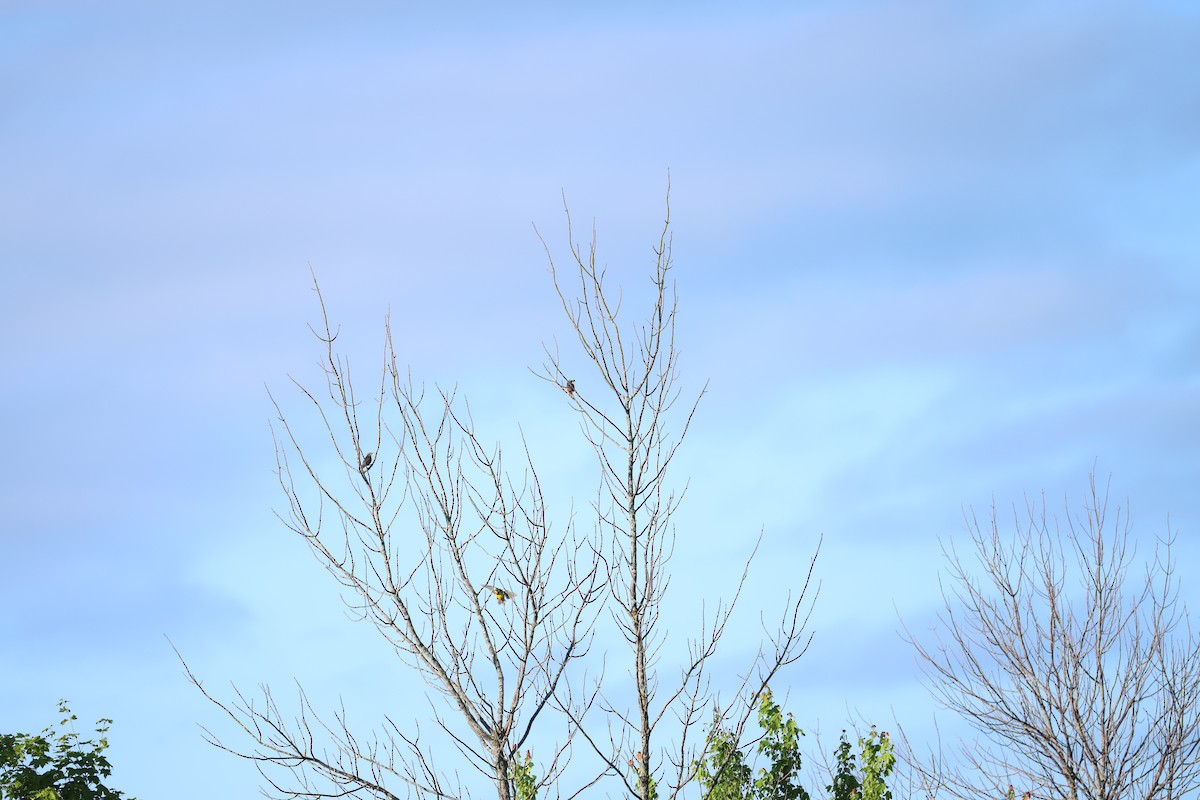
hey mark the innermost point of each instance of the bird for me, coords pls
(570, 388)
(367, 461)
(500, 594)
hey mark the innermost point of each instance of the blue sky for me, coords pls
(928, 253)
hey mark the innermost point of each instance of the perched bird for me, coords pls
(500, 594)
(570, 388)
(367, 461)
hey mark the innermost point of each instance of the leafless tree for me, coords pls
(627, 396)
(456, 565)
(493, 609)
(1080, 675)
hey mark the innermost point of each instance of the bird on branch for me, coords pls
(366, 462)
(570, 388)
(501, 595)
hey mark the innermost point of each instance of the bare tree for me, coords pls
(494, 610)
(453, 561)
(1081, 677)
(627, 395)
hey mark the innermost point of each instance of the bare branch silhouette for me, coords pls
(1081, 678)
(419, 544)
(630, 413)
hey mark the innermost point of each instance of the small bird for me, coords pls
(500, 594)
(570, 388)
(367, 461)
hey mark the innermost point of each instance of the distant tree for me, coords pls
(455, 561)
(56, 766)
(1081, 676)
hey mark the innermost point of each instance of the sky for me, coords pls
(930, 256)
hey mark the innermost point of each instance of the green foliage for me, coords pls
(725, 773)
(845, 780)
(52, 766)
(781, 745)
(876, 760)
(524, 781)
